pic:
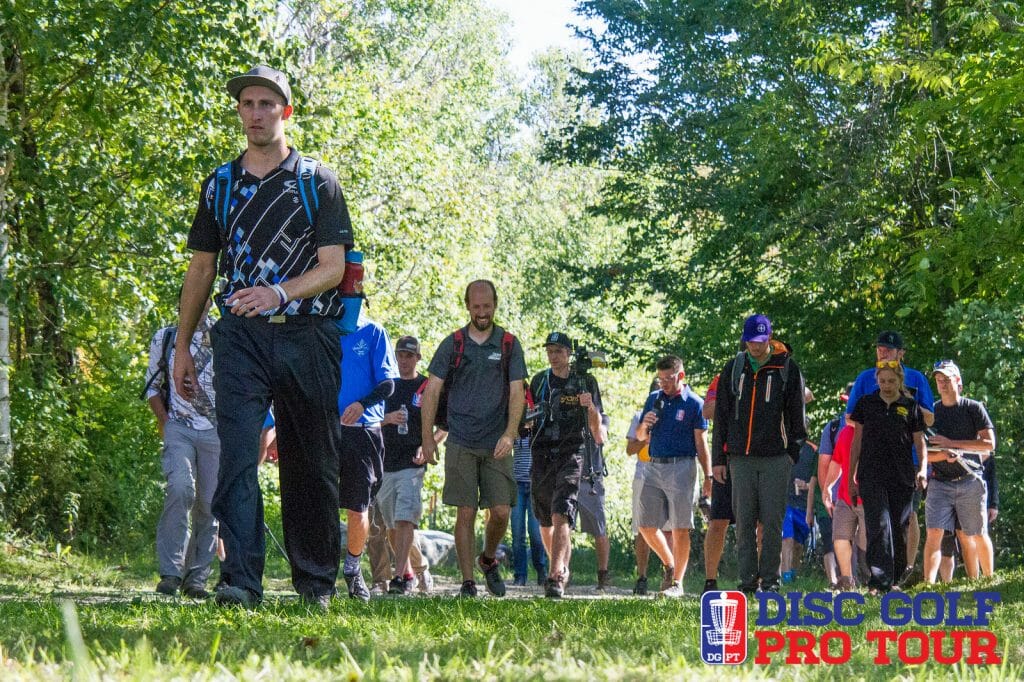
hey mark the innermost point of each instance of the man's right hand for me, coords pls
(650, 419)
(185, 374)
(394, 418)
(429, 450)
(718, 471)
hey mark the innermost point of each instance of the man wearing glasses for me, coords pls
(889, 348)
(675, 428)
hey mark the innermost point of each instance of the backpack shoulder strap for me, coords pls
(222, 195)
(507, 341)
(459, 338)
(833, 429)
(306, 173)
(737, 372)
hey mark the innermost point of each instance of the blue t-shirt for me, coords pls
(672, 435)
(912, 379)
(367, 359)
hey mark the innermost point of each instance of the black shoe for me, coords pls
(468, 589)
(357, 587)
(710, 585)
(236, 596)
(640, 589)
(542, 579)
(168, 585)
(400, 585)
(316, 602)
(768, 587)
(492, 576)
(603, 580)
(747, 588)
(910, 577)
(519, 581)
(195, 592)
(555, 587)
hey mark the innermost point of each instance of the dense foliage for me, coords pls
(843, 167)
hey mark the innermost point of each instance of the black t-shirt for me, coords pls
(270, 239)
(566, 420)
(399, 449)
(887, 439)
(962, 421)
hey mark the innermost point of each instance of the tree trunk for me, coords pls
(10, 76)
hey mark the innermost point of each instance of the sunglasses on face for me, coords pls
(887, 364)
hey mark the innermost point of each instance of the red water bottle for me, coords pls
(351, 283)
(350, 288)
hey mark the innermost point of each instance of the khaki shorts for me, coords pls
(848, 524)
(473, 478)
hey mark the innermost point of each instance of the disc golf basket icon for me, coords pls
(723, 617)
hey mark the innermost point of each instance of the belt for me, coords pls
(369, 427)
(965, 477)
(667, 460)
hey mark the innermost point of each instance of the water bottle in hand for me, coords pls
(403, 426)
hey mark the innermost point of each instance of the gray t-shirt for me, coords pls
(478, 397)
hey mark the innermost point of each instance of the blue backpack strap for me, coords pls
(307, 186)
(222, 195)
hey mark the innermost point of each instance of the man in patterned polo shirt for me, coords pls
(276, 341)
(189, 461)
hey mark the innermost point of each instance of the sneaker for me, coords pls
(675, 591)
(747, 588)
(357, 587)
(379, 589)
(710, 585)
(846, 584)
(316, 602)
(236, 596)
(425, 581)
(603, 580)
(195, 592)
(768, 587)
(468, 588)
(640, 589)
(401, 585)
(554, 588)
(519, 581)
(667, 579)
(492, 575)
(168, 585)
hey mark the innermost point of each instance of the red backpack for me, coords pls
(441, 416)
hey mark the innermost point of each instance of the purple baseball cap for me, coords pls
(757, 328)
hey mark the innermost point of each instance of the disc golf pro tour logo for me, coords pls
(723, 627)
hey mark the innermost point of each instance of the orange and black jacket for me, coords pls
(761, 418)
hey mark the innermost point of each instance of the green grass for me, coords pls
(126, 632)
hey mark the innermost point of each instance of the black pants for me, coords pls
(295, 365)
(887, 509)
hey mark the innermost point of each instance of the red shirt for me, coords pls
(841, 457)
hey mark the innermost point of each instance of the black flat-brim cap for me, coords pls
(261, 75)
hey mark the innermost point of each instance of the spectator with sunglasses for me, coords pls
(887, 424)
(957, 491)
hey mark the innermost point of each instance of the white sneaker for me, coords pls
(675, 591)
(379, 589)
(425, 581)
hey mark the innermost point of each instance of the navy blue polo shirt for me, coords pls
(672, 435)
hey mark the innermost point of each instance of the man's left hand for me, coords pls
(504, 447)
(253, 301)
(352, 414)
